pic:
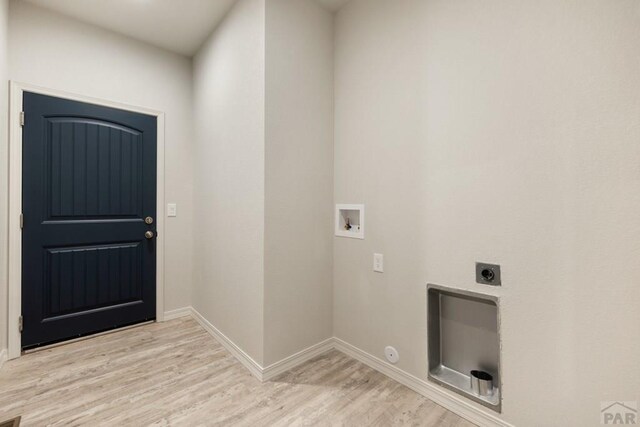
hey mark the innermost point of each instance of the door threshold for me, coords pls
(83, 338)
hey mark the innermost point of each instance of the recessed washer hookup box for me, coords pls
(464, 336)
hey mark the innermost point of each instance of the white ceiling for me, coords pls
(177, 25)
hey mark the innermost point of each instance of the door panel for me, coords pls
(89, 180)
(88, 277)
(95, 166)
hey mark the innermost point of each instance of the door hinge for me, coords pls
(21, 221)
(20, 324)
(21, 118)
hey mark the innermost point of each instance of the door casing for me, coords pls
(14, 301)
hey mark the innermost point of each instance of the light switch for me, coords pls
(172, 209)
(378, 263)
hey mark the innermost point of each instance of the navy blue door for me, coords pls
(88, 183)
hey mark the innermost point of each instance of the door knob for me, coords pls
(148, 234)
(148, 220)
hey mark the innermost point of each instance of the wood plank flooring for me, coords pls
(175, 374)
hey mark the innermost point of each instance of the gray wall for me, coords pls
(501, 132)
(228, 288)
(298, 177)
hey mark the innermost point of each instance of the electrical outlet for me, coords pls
(378, 263)
(172, 209)
(488, 274)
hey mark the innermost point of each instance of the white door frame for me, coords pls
(15, 202)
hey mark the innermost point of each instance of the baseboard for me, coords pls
(430, 391)
(299, 358)
(177, 313)
(246, 360)
(3, 357)
(437, 394)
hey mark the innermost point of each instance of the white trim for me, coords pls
(3, 357)
(271, 371)
(437, 394)
(456, 404)
(177, 313)
(297, 359)
(15, 233)
(160, 214)
(254, 367)
(15, 201)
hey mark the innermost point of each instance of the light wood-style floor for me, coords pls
(174, 373)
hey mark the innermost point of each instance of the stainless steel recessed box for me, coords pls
(464, 335)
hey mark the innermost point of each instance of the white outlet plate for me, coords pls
(378, 263)
(172, 209)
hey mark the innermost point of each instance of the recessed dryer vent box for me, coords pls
(350, 221)
(464, 336)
